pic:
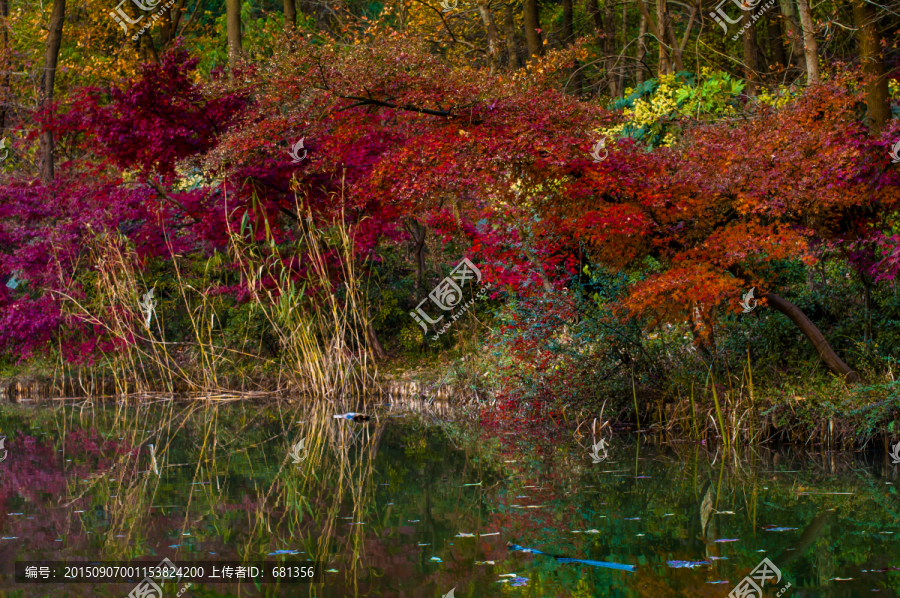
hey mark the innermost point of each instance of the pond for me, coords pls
(409, 505)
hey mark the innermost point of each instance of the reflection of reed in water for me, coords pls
(313, 498)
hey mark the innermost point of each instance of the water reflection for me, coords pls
(415, 506)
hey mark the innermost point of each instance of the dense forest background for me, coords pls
(259, 195)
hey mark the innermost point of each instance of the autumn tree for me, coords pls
(51, 60)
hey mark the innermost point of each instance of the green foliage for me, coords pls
(654, 107)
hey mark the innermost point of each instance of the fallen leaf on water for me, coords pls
(686, 564)
(781, 529)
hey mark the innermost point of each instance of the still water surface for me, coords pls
(411, 506)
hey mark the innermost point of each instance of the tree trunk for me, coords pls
(793, 33)
(662, 17)
(609, 47)
(568, 35)
(623, 37)
(5, 66)
(675, 52)
(509, 30)
(233, 23)
(169, 24)
(834, 363)
(51, 60)
(493, 36)
(147, 38)
(374, 344)
(877, 99)
(642, 50)
(751, 52)
(532, 36)
(776, 45)
(417, 232)
(809, 535)
(290, 15)
(810, 48)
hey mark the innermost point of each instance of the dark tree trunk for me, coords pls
(374, 344)
(834, 363)
(169, 25)
(793, 33)
(665, 58)
(642, 50)
(776, 44)
(290, 15)
(532, 24)
(568, 35)
(51, 60)
(418, 232)
(509, 30)
(147, 38)
(6, 66)
(809, 535)
(751, 54)
(493, 36)
(877, 99)
(609, 47)
(669, 31)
